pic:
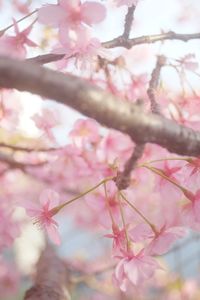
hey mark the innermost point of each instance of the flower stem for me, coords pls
(123, 221)
(107, 204)
(56, 209)
(139, 213)
(160, 173)
(18, 21)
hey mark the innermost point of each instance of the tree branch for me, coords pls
(128, 21)
(148, 39)
(51, 278)
(153, 84)
(123, 178)
(28, 149)
(100, 105)
(45, 58)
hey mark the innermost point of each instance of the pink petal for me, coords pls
(93, 12)
(131, 271)
(49, 197)
(16, 27)
(119, 270)
(53, 234)
(30, 43)
(68, 5)
(51, 15)
(32, 209)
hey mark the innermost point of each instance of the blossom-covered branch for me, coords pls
(148, 39)
(100, 105)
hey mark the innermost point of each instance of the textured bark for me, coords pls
(51, 279)
(100, 105)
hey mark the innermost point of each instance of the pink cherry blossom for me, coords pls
(71, 15)
(110, 149)
(163, 186)
(99, 204)
(85, 131)
(15, 45)
(134, 269)
(191, 173)
(43, 213)
(9, 110)
(158, 242)
(191, 211)
(23, 8)
(189, 62)
(163, 241)
(79, 46)
(47, 121)
(119, 239)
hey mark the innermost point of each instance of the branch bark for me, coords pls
(51, 278)
(128, 21)
(100, 105)
(148, 39)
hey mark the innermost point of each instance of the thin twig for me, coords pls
(13, 164)
(45, 58)
(153, 84)
(25, 149)
(18, 21)
(123, 178)
(128, 22)
(148, 39)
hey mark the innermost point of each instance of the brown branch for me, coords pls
(13, 164)
(26, 149)
(148, 39)
(123, 178)
(153, 84)
(100, 105)
(45, 58)
(51, 279)
(128, 22)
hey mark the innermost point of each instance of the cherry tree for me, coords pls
(125, 168)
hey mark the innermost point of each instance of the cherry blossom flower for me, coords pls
(191, 173)
(188, 62)
(162, 185)
(163, 241)
(98, 202)
(23, 8)
(134, 269)
(85, 131)
(9, 110)
(160, 242)
(191, 211)
(115, 145)
(119, 239)
(47, 121)
(15, 45)
(71, 15)
(43, 213)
